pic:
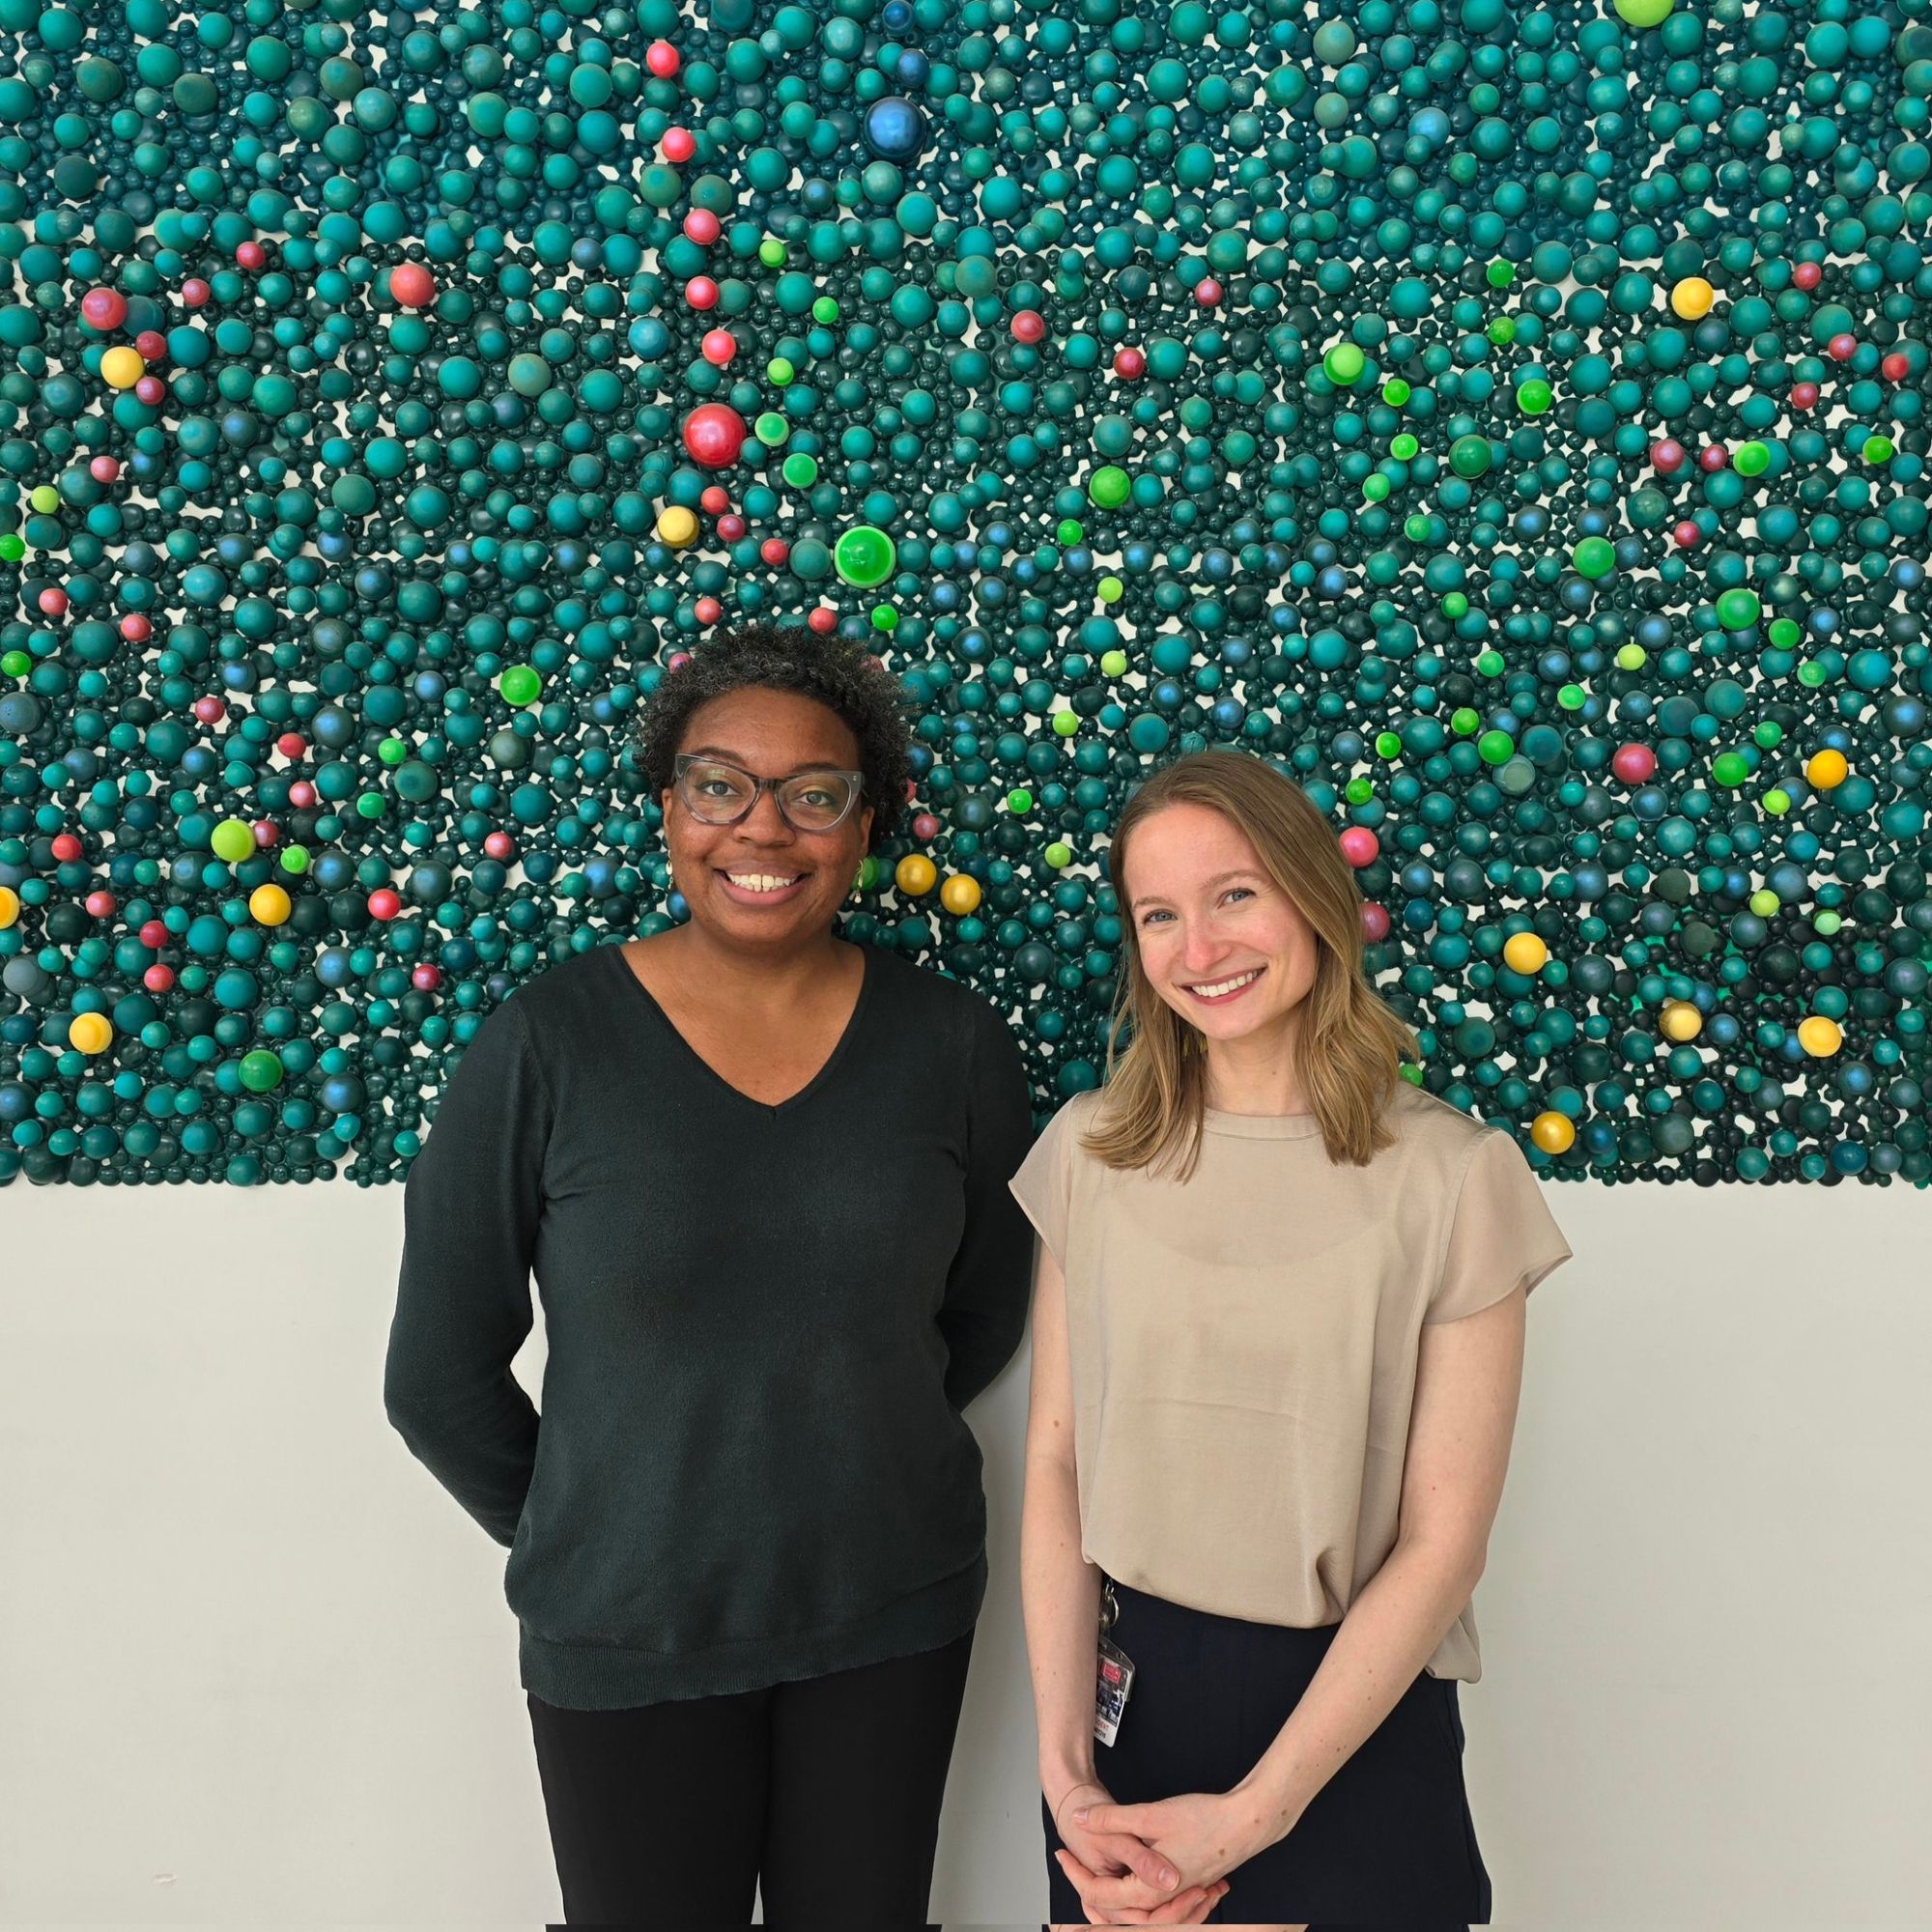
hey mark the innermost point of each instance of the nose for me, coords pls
(765, 822)
(1199, 950)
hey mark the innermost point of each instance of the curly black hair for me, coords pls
(844, 678)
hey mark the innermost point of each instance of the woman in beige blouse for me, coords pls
(1278, 1331)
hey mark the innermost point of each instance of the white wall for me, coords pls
(255, 1667)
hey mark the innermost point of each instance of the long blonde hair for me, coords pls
(1350, 1047)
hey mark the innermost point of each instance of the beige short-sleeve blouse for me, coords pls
(1243, 1343)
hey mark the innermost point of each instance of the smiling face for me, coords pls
(1219, 941)
(762, 884)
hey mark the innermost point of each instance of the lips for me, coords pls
(1221, 992)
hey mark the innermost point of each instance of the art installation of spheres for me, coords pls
(1507, 420)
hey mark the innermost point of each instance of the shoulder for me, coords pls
(555, 1005)
(1073, 1121)
(926, 997)
(1439, 1140)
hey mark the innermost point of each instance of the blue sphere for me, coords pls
(895, 129)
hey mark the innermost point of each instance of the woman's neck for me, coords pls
(1255, 1074)
(729, 974)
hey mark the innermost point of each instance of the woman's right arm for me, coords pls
(1060, 1590)
(471, 1211)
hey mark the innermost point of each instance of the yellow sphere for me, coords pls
(1819, 1036)
(122, 368)
(91, 1033)
(1553, 1132)
(916, 874)
(1680, 1021)
(1524, 953)
(960, 895)
(1825, 769)
(10, 907)
(1691, 297)
(269, 905)
(676, 525)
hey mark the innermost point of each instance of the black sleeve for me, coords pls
(470, 1209)
(987, 1287)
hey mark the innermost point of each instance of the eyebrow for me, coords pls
(738, 758)
(1219, 879)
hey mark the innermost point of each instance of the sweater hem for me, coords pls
(600, 1677)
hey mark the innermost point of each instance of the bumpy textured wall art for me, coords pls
(1510, 418)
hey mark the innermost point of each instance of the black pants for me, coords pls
(1387, 1841)
(829, 1790)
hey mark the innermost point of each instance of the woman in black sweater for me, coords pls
(760, 1176)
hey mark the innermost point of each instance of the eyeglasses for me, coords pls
(718, 793)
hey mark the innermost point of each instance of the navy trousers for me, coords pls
(1388, 1841)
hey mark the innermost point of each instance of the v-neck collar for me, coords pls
(867, 975)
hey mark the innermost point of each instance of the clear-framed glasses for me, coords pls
(719, 793)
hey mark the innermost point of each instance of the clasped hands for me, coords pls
(1155, 1864)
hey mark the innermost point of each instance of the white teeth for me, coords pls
(761, 882)
(1221, 986)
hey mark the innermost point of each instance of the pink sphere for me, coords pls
(926, 827)
(498, 845)
(662, 59)
(1359, 846)
(714, 433)
(719, 346)
(104, 308)
(412, 284)
(384, 903)
(1375, 922)
(702, 226)
(1633, 764)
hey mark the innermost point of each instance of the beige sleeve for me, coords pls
(1504, 1234)
(1044, 1183)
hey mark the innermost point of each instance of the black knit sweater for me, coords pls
(762, 1324)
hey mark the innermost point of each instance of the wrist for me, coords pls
(1262, 1809)
(1061, 1772)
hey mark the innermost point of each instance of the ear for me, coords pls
(864, 830)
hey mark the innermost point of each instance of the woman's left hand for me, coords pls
(1203, 1834)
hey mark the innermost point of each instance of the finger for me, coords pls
(1147, 1864)
(1128, 1890)
(1100, 1816)
(1185, 1908)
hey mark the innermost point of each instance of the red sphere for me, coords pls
(1895, 367)
(135, 627)
(1208, 292)
(498, 845)
(702, 226)
(53, 602)
(159, 978)
(1805, 395)
(291, 746)
(66, 848)
(662, 59)
(714, 433)
(1129, 364)
(773, 550)
(1633, 763)
(1028, 325)
(152, 345)
(715, 501)
(410, 285)
(679, 144)
(1713, 457)
(1666, 458)
(700, 293)
(267, 832)
(425, 979)
(1807, 276)
(104, 469)
(195, 292)
(707, 611)
(1359, 845)
(926, 827)
(251, 255)
(100, 905)
(150, 390)
(1375, 922)
(154, 935)
(208, 709)
(301, 794)
(384, 903)
(823, 620)
(719, 346)
(104, 308)
(1841, 347)
(1687, 534)
(731, 527)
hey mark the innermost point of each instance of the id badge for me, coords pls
(1114, 1674)
(1116, 1678)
